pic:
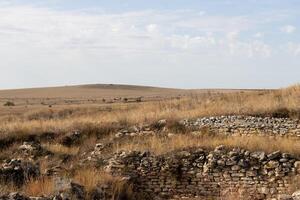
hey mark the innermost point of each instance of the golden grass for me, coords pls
(91, 177)
(39, 187)
(160, 145)
(209, 104)
(62, 150)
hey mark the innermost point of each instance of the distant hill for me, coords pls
(101, 91)
(90, 91)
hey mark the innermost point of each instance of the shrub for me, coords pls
(9, 103)
(139, 99)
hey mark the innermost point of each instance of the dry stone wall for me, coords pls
(247, 125)
(203, 173)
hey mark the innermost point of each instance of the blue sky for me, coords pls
(169, 43)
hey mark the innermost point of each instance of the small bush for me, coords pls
(9, 103)
(139, 99)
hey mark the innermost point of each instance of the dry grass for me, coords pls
(160, 145)
(97, 121)
(284, 102)
(90, 178)
(40, 187)
(5, 189)
(61, 150)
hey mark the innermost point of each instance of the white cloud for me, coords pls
(151, 28)
(114, 33)
(233, 35)
(288, 29)
(293, 48)
(126, 46)
(258, 35)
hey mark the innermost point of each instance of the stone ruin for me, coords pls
(202, 173)
(246, 125)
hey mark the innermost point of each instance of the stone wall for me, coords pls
(247, 125)
(203, 173)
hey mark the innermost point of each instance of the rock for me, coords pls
(31, 149)
(274, 155)
(119, 135)
(284, 197)
(296, 195)
(133, 134)
(272, 164)
(258, 155)
(133, 129)
(98, 150)
(235, 168)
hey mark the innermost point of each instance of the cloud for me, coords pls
(115, 33)
(152, 28)
(293, 48)
(233, 35)
(288, 29)
(258, 35)
(57, 45)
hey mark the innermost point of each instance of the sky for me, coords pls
(167, 43)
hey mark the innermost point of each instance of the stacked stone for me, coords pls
(203, 173)
(135, 131)
(247, 125)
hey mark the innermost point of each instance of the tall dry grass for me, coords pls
(40, 187)
(90, 178)
(61, 149)
(161, 145)
(283, 102)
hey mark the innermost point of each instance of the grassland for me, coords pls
(98, 111)
(96, 117)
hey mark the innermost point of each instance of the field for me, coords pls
(62, 126)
